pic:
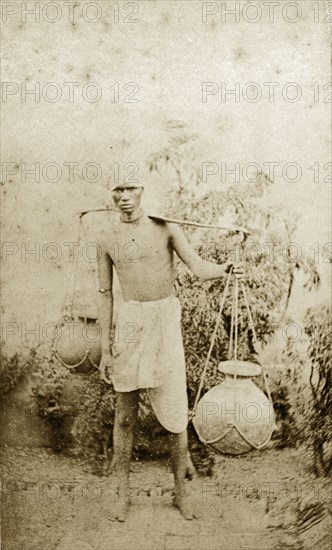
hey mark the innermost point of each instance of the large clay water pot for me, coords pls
(235, 416)
(77, 344)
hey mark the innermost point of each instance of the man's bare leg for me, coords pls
(123, 437)
(179, 456)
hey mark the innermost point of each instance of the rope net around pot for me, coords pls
(76, 340)
(235, 416)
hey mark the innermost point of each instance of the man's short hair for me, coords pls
(115, 185)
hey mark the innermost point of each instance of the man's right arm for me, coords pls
(105, 299)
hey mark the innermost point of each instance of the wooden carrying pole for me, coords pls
(178, 221)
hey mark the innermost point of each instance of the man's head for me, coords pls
(127, 196)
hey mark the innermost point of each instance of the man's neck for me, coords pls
(130, 217)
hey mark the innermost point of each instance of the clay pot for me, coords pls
(77, 344)
(235, 416)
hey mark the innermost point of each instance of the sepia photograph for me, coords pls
(166, 251)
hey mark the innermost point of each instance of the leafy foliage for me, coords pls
(270, 261)
(14, 368)
(289, 406)
(49, 380)
(95, 418)
(318, 327)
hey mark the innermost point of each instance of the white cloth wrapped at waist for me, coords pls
(148, 353)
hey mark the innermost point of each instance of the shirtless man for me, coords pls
(147, 350)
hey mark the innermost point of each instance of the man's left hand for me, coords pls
(238, 268)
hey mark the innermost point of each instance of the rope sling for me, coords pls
(68, 306)
(232, 352)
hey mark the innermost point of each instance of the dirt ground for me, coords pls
(260, 501)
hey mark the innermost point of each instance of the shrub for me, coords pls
(95, 418)
(270, 270)
(48, 382)
(288, 407)
(319, 427)
(14, 368)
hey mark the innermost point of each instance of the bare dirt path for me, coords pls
(260, 501)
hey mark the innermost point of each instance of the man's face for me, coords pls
(127, 198)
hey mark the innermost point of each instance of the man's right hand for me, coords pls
(105, 367)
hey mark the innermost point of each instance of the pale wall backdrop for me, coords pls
(168, 53)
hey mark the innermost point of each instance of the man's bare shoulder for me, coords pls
(156, 222)
(174, 230)
(168, 229)
(160, 222)
(106, 226)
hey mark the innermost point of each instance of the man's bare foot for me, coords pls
(186, 507)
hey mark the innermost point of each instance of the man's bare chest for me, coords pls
(130, 245)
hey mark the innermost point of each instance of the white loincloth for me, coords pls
(148, 353)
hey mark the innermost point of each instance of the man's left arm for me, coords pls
(199, 267)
